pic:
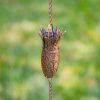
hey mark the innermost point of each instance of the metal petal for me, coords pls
(43, 30)
(55, 29)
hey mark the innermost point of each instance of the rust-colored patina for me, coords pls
(50, 52)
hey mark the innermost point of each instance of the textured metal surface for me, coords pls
(50, 51)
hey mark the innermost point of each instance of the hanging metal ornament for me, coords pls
(50, 50)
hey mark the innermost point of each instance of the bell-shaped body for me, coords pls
(50, 51)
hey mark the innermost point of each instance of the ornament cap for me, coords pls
(50, 28)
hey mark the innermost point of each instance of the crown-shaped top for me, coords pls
(51, 37)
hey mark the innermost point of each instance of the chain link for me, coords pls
(50, 88)
(50, 12)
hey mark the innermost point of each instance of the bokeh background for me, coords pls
(78, 76)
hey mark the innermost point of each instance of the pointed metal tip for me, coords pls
(55, 29)
(42, 30)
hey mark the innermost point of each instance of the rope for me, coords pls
(50, 12)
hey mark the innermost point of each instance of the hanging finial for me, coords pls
(50, 50)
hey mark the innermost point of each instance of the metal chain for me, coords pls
(50, 89)
(50, 12)
(50, 23)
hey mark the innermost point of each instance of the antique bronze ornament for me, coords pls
(50, 50)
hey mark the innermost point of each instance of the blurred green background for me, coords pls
(78, 76)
